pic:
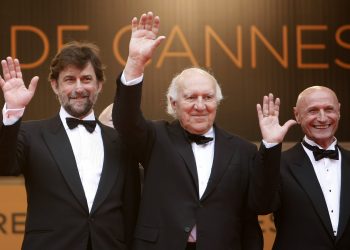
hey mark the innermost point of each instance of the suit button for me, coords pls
(91, 219)
(187, 229)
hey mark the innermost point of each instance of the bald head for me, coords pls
(318, 112)
(305, 93)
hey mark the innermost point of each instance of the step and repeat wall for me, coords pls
(253, 47)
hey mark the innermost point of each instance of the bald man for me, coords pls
(312, 206)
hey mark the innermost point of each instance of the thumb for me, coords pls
(289, 124)
(32, 85)
(2, 82)
(158, 41)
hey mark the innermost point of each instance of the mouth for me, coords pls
(324, 126)
(78, 97)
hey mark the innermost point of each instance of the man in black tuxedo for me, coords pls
(312, 206)
(82, 187)
(198, 191)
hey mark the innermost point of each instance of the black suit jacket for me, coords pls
(170, 204)
(301, 215)
(57, 213)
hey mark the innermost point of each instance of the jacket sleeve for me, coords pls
(135, 131)
(265, 179)
(11, 149)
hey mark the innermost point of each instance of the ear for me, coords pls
(54, 86)
(296, 115)
(99, 87)
(173, 103)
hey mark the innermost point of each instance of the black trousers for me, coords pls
(191, 246)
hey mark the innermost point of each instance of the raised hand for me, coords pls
(16, 94)
(268, 114)
(142, 44)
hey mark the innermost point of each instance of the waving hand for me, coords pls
(16, 94)
(268, 115)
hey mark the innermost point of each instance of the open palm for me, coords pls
(268, 114)
(144, 38)
(16, 94)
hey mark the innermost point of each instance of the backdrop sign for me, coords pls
(12, 212)
(252, 47)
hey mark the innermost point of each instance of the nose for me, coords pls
(199, 104)
(78, 85)
(321, 115)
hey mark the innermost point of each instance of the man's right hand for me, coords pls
(142, 44)
(16, 94)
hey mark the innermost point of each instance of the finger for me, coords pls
(158, 41)
(2, 82)
(271, 105)
(156, 24)
(33, 84)
(142, 21)
(17, 68)
(259, 111)
(265, 109)
(11, 66)
(134, 24)
(289, 124)
(277, 107)
(149, 21)
(5, 70)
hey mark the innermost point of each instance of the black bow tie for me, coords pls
(322, 153)
(198, 139)
(88, 124)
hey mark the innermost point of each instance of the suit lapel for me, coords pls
(344, 212)
(58, 143)
(223, 151)
(182, 145)
(110, 167)
(305, 175)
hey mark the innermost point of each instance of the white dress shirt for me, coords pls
(204, 156)
(328, 172)
(89, 154)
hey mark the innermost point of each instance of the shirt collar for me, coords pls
(312, 143)
(210, 133)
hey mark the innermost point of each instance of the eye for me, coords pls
(86, 79)
(208, 97)
(190, 98)
(69, 79)
(312, 112)
(329, 110)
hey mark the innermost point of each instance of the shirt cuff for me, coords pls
(11, 116)
(131, 82)
(269, 144)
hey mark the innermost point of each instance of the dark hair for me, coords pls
(78, 54)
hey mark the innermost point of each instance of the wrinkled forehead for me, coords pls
(196, 81)
(321, 97)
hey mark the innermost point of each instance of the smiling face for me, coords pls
(318, 113)
(196, 104)
(77, 89)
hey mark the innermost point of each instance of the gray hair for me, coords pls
(174, 85)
